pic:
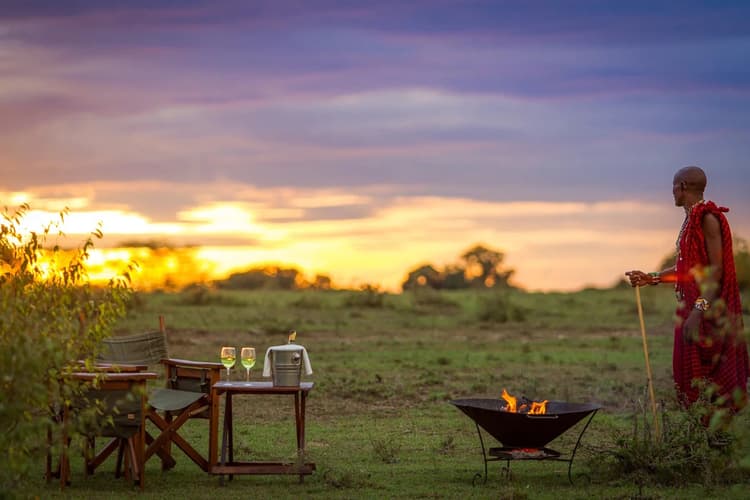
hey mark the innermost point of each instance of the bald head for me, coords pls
(693, 177)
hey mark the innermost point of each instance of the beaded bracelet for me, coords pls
(656, 276)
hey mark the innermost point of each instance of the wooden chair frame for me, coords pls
(206, 407)
(178, 372)
(134, 445)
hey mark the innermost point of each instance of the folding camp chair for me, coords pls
(187, 393)
(121, 399)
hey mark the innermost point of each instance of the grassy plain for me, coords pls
(379, 420)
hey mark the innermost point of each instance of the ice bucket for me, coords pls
(286, 365)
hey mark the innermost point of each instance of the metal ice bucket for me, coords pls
(286, 366)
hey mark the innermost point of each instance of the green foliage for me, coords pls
(447, 446)
(348, 479)
(309, 301)
(742, 264)
(428, 299)
(202, 295)
(685, 451)
(368, 296)
(499, 307)
(384, 374)
(50, 315)
(387, 450)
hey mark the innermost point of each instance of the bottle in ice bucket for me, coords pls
(292, 337)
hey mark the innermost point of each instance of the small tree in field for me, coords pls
(50, 317)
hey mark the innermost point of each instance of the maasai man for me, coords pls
(708, 338)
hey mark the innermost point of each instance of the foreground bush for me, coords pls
(684, 451)
(50, 316)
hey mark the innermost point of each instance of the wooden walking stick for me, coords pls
(657, 431)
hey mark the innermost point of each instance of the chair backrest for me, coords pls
(139, 349)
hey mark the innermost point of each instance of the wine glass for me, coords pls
(247, 356)
(228, 357)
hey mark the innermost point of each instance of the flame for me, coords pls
(531, 408)
(511, 406)
(538, 407)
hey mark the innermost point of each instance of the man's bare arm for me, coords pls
(711, 279)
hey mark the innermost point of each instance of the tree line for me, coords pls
(478, 267)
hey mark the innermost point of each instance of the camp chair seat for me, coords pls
(172, 400)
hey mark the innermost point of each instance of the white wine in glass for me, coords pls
(228, 357)
(247, 356)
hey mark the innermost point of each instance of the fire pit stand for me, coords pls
(524, 436)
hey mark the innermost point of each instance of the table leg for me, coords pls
(299, 417)
(230, 430)
(226, 433)
(297, 420)
(302, 419)
(213, 430)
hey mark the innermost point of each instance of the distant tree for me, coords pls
(484, 267)
(268, 277)
(454, 278)
(423, 276)
(480, 267)
(285, 278)
(252, 279)
(321, 282)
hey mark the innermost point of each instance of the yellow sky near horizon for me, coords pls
(551, 245)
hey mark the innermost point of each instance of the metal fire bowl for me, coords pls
(521, 430)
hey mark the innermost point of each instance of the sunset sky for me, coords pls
(362, 139)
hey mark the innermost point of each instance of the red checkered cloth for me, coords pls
(720, 355)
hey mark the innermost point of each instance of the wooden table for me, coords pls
(227, 464)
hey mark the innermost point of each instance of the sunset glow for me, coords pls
(213, 240)
(362, 141)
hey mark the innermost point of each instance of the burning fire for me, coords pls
(527, 406)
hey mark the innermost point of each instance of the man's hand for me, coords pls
(638, 278)
(691, 327)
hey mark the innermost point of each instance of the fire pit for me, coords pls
(523, 429)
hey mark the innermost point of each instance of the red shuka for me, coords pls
(720, 355)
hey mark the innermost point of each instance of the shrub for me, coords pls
(499, 308)
(686, 451)
(202, 295)
(367, 296)
(386, 450)
(429, 299)
(309, 301)
(346, 478)
(50, 314)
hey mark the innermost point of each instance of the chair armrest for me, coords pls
(205, 365)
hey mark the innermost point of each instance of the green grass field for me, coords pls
(379, 422)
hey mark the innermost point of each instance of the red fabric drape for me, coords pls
(720, 356)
